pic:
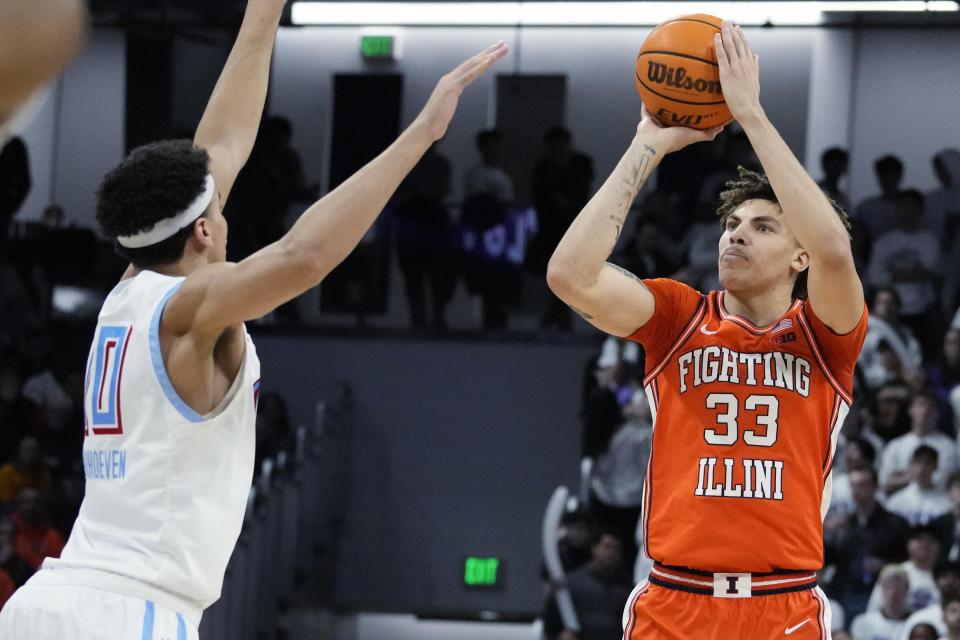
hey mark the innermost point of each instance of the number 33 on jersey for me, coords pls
(746, 421)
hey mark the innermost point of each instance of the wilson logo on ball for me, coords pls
(677, 77)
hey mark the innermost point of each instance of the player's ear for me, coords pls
(202, 232)
(801, 260)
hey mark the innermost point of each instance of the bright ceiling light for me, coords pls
(587, 13)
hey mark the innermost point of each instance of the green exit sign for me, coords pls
(482, 572)
(377, 47)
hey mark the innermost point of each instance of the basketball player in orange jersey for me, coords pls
(37, 40)
(748, 386)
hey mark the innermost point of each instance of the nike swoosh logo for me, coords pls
(790, 630)
(705, 331)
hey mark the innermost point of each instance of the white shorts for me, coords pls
(57, 612)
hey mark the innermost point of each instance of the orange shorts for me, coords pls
(679, 604)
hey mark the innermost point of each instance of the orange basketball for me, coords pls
(677, 74)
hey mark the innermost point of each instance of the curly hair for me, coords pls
(154, 182)
(753, 185)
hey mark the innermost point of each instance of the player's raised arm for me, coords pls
(231, 119)
(834, 289)
(609, 297)
(37, 40)
(222, 294)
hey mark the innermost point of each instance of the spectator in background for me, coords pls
(886, 327)
(887, 622)
(14, 182)
(896, 457)
(36, 539)
(834, 162)
(923, 549)
(946, 165)
(425, 239)
(907, 256)
(14, 570)
(576, 535)
(47, 389)
(494, 242)
(947, 577)
(16, 412)
(923, 631)
(273, 432)
(951, 617)
(269, 183)
(861, 543)
(944, 376)
(920, 501)
(621, 447)
(890, 411)
(488, 177)
(647, 255)
(495, 233)
(699, 246)
(941, 211)
(855, 453)
(875, 215)
(561, 187)
(736, 152)
(598, 590)
(27, 470)
(948, 523)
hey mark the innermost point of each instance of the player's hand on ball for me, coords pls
(441, 105)
(672, 138)
(739, 71)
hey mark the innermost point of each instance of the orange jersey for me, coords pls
(746, 421)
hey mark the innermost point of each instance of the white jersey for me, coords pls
(166, 487)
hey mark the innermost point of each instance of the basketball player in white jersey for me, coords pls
(172, 376)
(37, 40)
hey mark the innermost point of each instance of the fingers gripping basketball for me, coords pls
(677, 75)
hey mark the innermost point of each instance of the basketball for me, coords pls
(678, 78)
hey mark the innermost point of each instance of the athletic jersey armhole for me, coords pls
(836, 354)
(678, 308)
(156, 357)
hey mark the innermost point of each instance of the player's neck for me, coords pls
(186, 265)
(761, 308)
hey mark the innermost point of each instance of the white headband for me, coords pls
(167, 227)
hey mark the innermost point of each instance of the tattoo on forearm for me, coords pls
(582, 314)
(619, 223)
(637, 175)
(623, 271)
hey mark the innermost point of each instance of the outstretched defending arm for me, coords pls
(230, 122)
(37, 40)
(833, 286)
(220, 295)
(609, 297)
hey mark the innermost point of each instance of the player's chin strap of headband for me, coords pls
(167, 227)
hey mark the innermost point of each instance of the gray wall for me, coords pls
(602, 103)
(456, 448)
